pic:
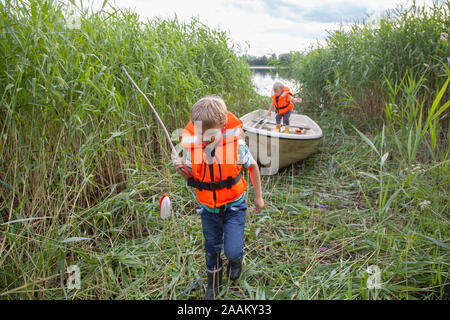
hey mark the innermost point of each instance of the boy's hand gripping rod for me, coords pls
(174, 152)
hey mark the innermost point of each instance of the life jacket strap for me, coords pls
(217, 185)
(281, 108)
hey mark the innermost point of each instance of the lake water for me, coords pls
(264, 77)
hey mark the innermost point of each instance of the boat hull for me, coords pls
(274, 150)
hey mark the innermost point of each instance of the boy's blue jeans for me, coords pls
(230, 236)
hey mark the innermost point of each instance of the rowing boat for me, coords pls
(276, 150)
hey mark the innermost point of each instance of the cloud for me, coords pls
(304, 30)
(265, 25)
(336, 12)
(283, 10)
(323, 12)
(279, 5)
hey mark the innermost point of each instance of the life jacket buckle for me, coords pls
(229, 182)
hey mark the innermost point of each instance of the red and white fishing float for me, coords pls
(165, 207)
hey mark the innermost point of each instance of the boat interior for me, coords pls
(300, 127)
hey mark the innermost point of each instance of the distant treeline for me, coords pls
(266, 60)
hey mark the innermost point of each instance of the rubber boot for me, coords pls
(214, 283)
(278, 127)
(234, 269)
(286, 129)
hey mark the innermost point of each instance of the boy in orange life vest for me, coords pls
(214, 162)
(283, 100)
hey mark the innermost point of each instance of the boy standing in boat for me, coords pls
(215, 159)
(283, 101)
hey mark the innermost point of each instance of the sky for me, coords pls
(263, 27)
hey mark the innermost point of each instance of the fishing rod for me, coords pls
(166, 133)
(165, 205)
(153, 109)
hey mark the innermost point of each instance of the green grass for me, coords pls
(323, 225)
(81, 175)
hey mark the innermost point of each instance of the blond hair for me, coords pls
(278, 85)
(211, 111)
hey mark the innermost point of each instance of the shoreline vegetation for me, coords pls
(83, 162)
(262, 67)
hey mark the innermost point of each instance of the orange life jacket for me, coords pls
(217, 178)
(282, 105)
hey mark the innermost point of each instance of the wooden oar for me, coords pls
(263, 123)
(258, 121)
(292, 126)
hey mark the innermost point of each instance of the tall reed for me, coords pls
(357, 65)
(74, 133)
(65, 101)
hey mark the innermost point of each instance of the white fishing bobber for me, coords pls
(165, 207)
